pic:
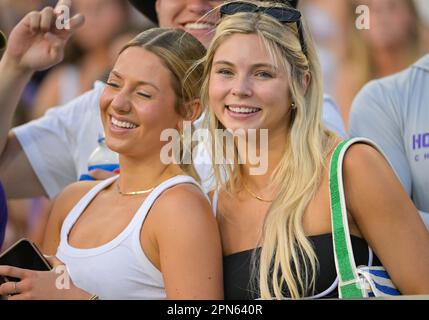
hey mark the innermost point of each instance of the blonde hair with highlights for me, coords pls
(178, 50)
(287, 258)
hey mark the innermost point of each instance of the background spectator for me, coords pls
(392, 43)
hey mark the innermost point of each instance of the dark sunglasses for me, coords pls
(282, 14)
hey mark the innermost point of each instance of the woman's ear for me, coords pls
(193, 110)
(307, 81)
(157, 4)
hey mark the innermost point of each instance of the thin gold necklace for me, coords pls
(253, 194)
(133, 193)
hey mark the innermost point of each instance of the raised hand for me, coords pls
(36, 43)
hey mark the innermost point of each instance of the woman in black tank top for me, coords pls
(264, 92)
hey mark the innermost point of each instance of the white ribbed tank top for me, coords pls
(119, 269)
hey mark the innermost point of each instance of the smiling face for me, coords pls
(247, 89)
(189, 15)
(138, 103)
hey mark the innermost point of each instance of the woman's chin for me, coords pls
(237, 131)
(115, 145)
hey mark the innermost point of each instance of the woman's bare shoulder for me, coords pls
(183, 205)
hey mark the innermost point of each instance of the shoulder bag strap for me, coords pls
(349, 285)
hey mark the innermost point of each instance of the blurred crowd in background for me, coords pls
(397, 37)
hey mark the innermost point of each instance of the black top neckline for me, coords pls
(311, 237)
(240, 283)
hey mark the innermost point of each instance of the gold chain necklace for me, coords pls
(253, 194)
(133, 193)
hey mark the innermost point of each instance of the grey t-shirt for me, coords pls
(394, 112)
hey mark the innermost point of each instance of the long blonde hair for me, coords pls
(298, 175)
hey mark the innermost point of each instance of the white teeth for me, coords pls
(198, 26)
(243, 109)
(123, 124)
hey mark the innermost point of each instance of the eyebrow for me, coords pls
(254, 66)
(117, 74)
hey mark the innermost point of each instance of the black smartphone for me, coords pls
(23, 254)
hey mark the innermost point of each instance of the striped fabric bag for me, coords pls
(354, 281)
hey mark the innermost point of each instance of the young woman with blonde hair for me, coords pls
(261, 72)
(148, 233)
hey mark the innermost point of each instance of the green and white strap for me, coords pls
(349, 284)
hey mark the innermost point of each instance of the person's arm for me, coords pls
(36, 285)
(53, 146)
(387, 218)
(372, 116)
(188, 242)
(34, 44)
(15, 169)
(12, 85)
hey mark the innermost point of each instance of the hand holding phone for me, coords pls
(25, 255)
(27, 276)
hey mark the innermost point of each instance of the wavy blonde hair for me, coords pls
(287, 257)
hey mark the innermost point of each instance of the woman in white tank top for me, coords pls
(113, 236)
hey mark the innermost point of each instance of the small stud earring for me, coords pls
(293, 105)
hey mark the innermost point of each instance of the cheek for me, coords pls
(159, 117)
(167, 11)
(150, 115)
(274, 94)
(402, 24)
(105, 101)
(113, 22)
(104, 107)
(218, 91)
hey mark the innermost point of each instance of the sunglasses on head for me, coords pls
(282, 14)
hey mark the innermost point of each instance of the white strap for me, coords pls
(214, 201)
(156, 193)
